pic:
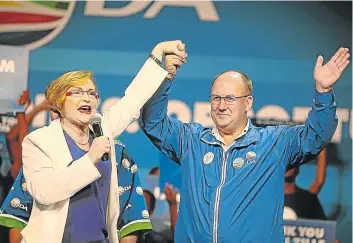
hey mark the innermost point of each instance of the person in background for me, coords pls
(301, 203)
(150, 201)
(14, 140)
(154, 171)
(171, 197)
(15, 136)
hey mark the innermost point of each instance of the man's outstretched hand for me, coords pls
(326, 76)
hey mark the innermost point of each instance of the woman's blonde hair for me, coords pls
(55, 92)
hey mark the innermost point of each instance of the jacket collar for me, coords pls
(251, 136)
(60, 150)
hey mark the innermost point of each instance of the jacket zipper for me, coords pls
(218, 196)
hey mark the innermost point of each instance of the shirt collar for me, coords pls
(251, 135)
(219, 138)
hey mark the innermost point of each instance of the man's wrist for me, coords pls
(321, 89)
(321, 98)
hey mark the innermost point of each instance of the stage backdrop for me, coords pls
(275, 43)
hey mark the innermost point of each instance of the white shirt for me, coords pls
(219, 137)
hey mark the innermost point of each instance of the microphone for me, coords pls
(97, 129)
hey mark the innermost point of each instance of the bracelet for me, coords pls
(171, 203)
(159, 62)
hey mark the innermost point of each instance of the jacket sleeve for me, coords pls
(16, 208)
(48, 186)
(171, 136)
(302, 143)
(133, 211)
(143, 86)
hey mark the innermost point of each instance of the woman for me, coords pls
(133, 218)
(70, 184)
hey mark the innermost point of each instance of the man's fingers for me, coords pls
(319, 61)
(171, 69)
(180, 54)
(344, 65)
(170, 77)
(172, 58)
(343, 60)
(334, 57)
(337, 54)
(177, 63)
(171, 72)
(341, 55)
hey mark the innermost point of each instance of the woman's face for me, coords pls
(81, 103)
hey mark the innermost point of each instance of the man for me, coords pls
(301, 203)
(233, 174)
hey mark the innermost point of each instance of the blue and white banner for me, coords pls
(13, 76)
(310, 231)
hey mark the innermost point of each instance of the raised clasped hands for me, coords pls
(174, 53)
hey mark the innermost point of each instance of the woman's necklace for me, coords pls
(72, 137)
(80, 142)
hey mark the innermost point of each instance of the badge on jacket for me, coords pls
(208, 158)
(238, 163)
(251, 155)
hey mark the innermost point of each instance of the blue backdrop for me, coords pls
(275, 43)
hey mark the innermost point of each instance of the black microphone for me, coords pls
(97, 129)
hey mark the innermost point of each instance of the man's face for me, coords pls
(229, 112)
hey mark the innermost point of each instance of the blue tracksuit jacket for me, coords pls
(235, 195)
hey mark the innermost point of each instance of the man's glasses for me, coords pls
(80, 93)
(229, 99)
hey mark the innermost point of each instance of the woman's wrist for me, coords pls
(157, 52)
